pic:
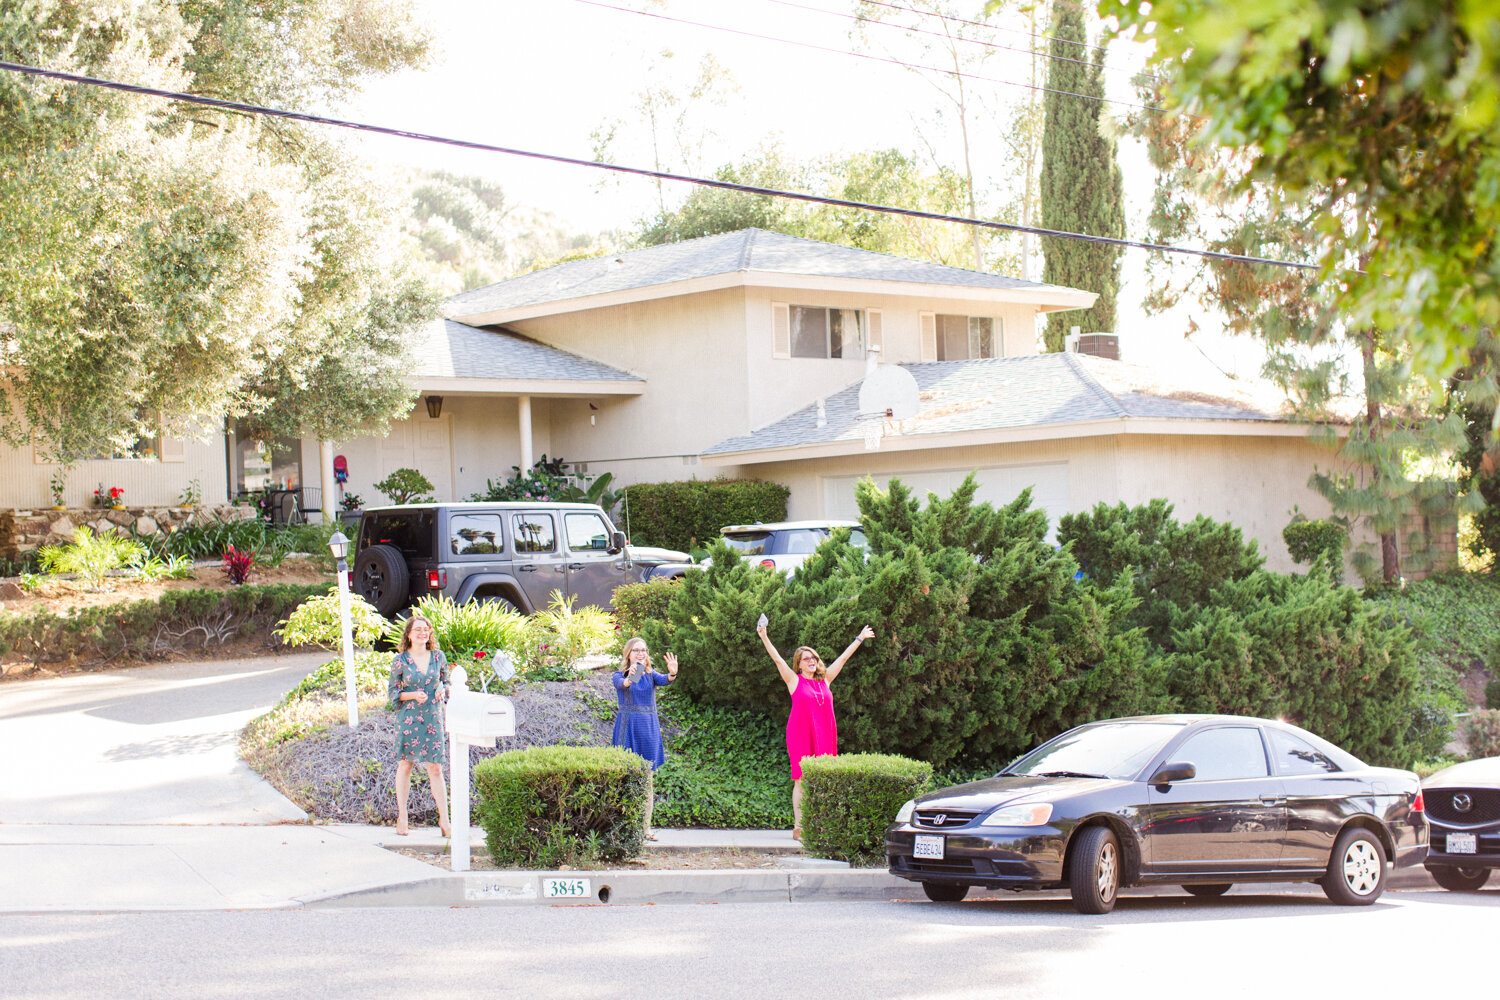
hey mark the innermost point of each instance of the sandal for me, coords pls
(797, 833)
(650, 835)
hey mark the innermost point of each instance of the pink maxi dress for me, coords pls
(810, 730)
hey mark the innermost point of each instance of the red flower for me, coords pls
(480, 654)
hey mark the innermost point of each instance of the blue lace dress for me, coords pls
(637, 727)
(419, 728)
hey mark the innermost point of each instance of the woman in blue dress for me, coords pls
(637, 726)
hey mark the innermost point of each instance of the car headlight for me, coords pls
(1020, 814)
(904, 816)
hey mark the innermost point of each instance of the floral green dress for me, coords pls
(419, 728)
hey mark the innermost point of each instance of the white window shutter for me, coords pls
(781, 330)
(172, 449)
(874, 332)
(927, 325)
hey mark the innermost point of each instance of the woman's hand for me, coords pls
(671, 664)
(420, 697)
(760, 630)
(866, 633)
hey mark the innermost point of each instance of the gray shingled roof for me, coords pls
(726, 253)
(1003, 393)
(445, 349)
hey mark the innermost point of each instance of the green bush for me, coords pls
(1492, 693)
(1308, 541)
(552, 806)
(639, 603)
(688, 515)
(406, 486)
(317, 622)
(90, 556)
(1481, 733)
(178, 621)
(848, 802)
(726, 768)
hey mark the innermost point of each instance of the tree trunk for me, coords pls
(1390, 551)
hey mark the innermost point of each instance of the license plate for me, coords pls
(1462, 843)
(927, 845)
(566, 888)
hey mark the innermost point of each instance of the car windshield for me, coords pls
(1108, 750)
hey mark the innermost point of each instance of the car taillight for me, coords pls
(437, 579)
(349, 579)
(1417, 805)
(768, 562)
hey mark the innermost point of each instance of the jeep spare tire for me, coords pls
(380, 577)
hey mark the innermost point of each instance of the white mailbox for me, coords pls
(478, 720)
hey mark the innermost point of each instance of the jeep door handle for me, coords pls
(575, 566)
(528, 568)
(1272, 800)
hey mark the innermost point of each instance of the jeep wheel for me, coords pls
(500, 599)
(380, 577)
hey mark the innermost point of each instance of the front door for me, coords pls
(539, 558)
(593, 571)
(1230, 817)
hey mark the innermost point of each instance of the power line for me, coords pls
(980, 24)
(867, 55)
(214, 102)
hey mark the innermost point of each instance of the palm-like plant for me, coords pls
(90, 556)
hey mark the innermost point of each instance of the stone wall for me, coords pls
(21, 531)
(1428, 545)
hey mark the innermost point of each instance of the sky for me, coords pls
(546, 75)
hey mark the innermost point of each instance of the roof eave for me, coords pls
(530, 387)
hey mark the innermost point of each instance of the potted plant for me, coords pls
(113, 497)
(57, 484)
(349, 505)
(191, 495)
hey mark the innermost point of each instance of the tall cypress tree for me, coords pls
(1081, 189)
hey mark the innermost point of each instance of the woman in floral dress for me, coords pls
(418, 689)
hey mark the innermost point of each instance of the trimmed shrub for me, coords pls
(639, 603)
(688, 515)
(179, 621)
(550, 806)
(1309, 541)
(727, 768)
(1481, 733)
(848, 801)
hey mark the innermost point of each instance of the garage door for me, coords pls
(997, 485)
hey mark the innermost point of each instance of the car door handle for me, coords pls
(1272, 800)
(527, 568)
(575, 565)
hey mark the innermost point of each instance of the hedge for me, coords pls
(849, 801)
(639, 603)
(178, 621)
(548, 806)
(688, 515)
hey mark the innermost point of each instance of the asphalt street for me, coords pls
(1291, 944)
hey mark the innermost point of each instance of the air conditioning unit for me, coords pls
(1100, 345)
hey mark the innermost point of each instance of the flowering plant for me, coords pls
(351, 501)
(108, 498)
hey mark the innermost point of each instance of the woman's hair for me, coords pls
(405, 643)
(630, 644)
(819, 672)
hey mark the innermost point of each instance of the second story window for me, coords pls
(960, 338)
(827, 333)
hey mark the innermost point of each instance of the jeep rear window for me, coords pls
(474, 534)
(409, 531)
(749, 543)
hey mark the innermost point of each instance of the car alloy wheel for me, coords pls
(1094, 877)
(1356, 870)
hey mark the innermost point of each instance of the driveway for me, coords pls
(153, 745)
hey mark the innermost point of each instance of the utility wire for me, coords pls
(867, 55)
(980, 24)
(214, 102)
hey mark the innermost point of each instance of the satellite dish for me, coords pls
(889, 390)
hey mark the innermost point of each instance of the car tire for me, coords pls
(500, 599)
(944, 892)
(381, 577)
(1356, 869)
(1460, 879)
(1094, 875)
(1209, 891)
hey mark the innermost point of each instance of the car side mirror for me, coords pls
(1179, 770)
(616, 542)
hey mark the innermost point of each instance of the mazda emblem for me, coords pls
(1462, 802)
(941, 819)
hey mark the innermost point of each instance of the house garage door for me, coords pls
(997, 485)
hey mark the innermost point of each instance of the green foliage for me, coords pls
(1082, 190)
(1492, 692)
(1461, 611)
(1476, 393)
(551, 806)
(726, 767)
(406, 486)
(178, 621)
(561, 635)
(850, 800)
(315, 622)
(639, 603)
(550, 480)
(90, 556)
(149, 568)
(685, 515)
(1308, 540)
(372, 672)
(1481, 733)
(474, 626)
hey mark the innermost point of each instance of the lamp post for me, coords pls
(339, 546)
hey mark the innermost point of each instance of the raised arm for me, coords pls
(787, 677)
(671, 669)
(837, 666)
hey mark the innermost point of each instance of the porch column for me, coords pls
(523, 411)
(325, 473)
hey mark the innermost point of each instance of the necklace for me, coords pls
(817, 691)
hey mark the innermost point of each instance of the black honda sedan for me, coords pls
(1464, 807)
(1195, 800)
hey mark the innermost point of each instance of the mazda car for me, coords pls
(1463, 806)
(1201, 801)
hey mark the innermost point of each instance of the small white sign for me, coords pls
(566, 888)
(927, 845)
(1462, 843)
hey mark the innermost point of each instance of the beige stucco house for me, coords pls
(743, 354)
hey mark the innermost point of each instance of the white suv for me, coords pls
(783, 545)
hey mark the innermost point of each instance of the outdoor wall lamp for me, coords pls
(434, 406)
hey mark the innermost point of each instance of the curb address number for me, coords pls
(566, 888)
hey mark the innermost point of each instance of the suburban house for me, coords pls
(754, 354)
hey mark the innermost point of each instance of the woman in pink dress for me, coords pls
(811, 730)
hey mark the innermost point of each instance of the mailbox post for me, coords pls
(473, 720)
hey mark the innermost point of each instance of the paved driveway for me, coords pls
(153, 745)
